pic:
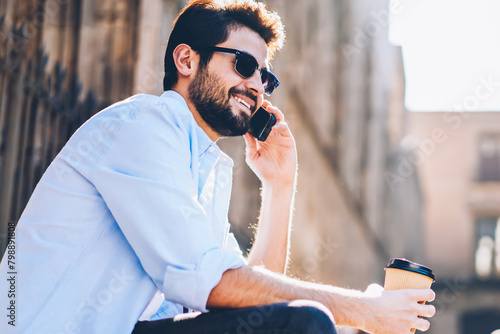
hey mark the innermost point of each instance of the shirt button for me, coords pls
(202, 171)
(211, 149)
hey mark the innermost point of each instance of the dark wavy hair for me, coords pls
(204, 23)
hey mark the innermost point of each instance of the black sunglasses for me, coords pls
(246, 65)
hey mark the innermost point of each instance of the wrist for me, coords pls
(342, 302)
(279, 198)
(367, 305)
(280, 185)
(368, 310)
(281, 191)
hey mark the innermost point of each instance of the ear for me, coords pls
(185, 60)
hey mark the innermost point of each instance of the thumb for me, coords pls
(374, 290)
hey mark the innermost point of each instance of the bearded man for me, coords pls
(127, 231)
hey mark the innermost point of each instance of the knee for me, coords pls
(310, 317)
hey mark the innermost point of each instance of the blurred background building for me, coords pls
(375, 180)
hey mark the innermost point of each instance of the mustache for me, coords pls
(247, 94)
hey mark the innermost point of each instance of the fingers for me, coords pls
(426, 311)
(282, 129)
(422, 324)
(421, 295)
(273, 110)
(413, 305)
(431, 295)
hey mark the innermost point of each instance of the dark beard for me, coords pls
(208, 96)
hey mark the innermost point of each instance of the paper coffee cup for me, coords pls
(404, 274)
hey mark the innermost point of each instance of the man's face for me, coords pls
(223, 98)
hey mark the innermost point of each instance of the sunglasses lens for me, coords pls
(246, 65)
(269, 81)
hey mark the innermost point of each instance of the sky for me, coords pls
(451, 53)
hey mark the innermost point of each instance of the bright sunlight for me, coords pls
(451, 53)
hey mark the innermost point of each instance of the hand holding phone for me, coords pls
(274, 161)
(261, 123)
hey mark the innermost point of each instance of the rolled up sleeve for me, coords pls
(148, 179)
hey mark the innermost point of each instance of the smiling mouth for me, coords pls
(242, 102)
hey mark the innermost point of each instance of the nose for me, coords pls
(254, 83)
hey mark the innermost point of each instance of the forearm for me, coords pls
(272, 238)
(252, 286)
(390, 312)
(274, 161)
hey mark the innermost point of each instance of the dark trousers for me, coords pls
(297, 317)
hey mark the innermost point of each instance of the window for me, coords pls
(489, 158)
(480, 321)
(487, 257)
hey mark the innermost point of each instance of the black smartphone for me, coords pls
(261, 123)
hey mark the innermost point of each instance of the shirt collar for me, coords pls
(203, 140)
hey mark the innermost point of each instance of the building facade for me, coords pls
(458, 160)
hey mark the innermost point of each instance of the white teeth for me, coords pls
(242, 102)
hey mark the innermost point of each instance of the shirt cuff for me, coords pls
(191, 286)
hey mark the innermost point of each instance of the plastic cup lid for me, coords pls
(405, 264)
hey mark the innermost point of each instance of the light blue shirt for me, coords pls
(134, 205)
